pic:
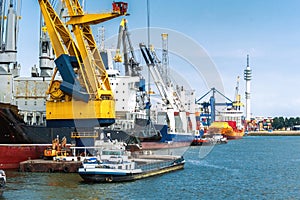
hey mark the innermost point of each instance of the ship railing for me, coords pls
(84, 135)
(156, 165)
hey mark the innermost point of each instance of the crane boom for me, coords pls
(170, 97)
(87, 45)
(83, 34)
(118, 57)
(131, 65)
(81, 96)
(59, 35)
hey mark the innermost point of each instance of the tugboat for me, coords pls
(2, 181)
(209, 140)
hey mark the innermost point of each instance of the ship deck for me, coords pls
(40, 165)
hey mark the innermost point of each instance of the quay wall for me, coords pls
(274, 133)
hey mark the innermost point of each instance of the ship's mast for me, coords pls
(46, 56)
(8, 37)
(2, 10)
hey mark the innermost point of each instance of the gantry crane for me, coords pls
(83, 98)
(212, 103)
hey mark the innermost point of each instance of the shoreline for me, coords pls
(274, 133)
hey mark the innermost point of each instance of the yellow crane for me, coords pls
(237, 104)
(83, 98)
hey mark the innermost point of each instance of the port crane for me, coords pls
(169, 96)
(130, 62)
(237, 104)
(212, 103)
(131, 66)
(83, 98)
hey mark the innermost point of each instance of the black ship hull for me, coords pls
(13, 129)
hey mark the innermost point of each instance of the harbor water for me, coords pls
(255, 167)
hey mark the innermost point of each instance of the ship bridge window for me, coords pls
(106, 97)
(44, 47)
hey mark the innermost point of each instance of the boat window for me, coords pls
(111, 153)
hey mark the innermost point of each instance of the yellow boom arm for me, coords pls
(81, 96)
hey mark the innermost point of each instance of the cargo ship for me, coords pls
(230, 123)
(228, 120)
(20, 141)
(227, 128)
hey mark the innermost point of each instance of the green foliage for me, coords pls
(280, 122)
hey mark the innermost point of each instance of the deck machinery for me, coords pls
(82, 96)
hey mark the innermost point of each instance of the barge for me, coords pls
(121, 169)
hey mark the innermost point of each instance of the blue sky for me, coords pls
(228, 30)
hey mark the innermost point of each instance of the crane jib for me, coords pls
(70, 84)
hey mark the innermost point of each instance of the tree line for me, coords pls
(285, 123)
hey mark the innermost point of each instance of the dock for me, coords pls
(274, 133)
(40, 165)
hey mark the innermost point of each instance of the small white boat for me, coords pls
(2, 181)
(219, 138)
(209, 140)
